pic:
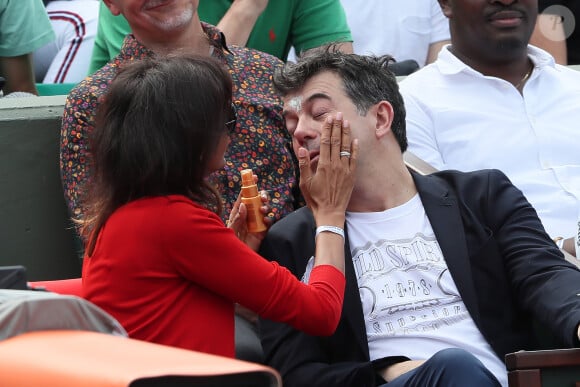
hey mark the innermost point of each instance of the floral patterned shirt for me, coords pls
(260, 140)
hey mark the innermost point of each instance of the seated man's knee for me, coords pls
(463, 365)
(456, 357)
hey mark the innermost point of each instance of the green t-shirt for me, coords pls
(25, 26)
(303, 24)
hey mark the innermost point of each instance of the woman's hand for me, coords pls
(327, 190)
(238, 217)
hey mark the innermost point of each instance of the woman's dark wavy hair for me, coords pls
(367, 80)
(156, 130)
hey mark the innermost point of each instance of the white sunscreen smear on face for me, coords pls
(295, 104)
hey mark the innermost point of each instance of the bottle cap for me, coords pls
(247, 177)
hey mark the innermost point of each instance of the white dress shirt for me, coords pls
(458, 118)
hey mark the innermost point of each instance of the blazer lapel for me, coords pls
(352, 309)
(442, 209)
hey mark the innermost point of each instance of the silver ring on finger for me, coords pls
(344, 154)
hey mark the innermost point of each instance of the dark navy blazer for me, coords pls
(507, 269)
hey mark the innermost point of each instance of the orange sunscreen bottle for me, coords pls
(252, 200)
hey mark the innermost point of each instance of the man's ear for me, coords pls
(384, 116)
(115, 10)
(446, 8)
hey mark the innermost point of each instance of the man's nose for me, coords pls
(303, 132)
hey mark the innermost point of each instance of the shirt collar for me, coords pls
(133, 49)
(450, 64)
(216, 38)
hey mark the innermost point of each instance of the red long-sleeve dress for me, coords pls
(170, 272)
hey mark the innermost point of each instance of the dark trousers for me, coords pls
(451, 367)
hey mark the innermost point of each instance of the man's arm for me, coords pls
(420, 128)
(19, 74)
(77, 123)
(317, 23)
(239, 20)
(544, 284)
(440, 35)
(25, 28)
(568, 246)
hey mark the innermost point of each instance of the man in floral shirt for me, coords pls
(260, 140)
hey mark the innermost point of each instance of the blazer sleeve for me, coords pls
(305, 360)
(542, 280)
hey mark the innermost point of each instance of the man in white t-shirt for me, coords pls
(445, 273)
(492, 101)
(410, 29)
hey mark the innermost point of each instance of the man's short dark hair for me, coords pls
(366, 79)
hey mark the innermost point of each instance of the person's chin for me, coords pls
(168, 18)
(509, 43)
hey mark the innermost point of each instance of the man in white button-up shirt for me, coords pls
(492, 101)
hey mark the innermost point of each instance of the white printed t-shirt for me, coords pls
(410, 302)
(403, 29)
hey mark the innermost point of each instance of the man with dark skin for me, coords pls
(497, 47)
(493, 101)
